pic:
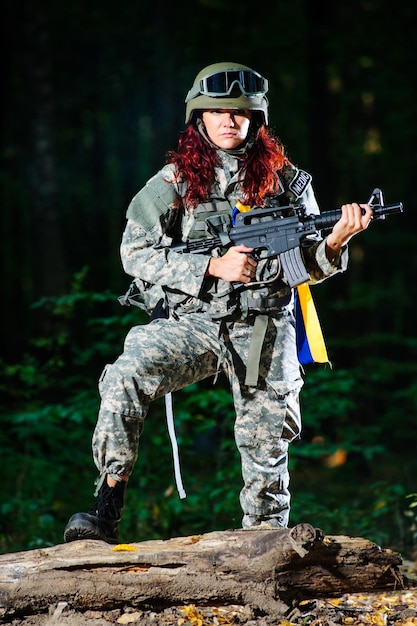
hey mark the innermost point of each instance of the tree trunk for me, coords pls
(270, 570)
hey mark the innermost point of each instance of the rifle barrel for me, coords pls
(328, 219)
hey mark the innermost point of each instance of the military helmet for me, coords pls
(227, 86)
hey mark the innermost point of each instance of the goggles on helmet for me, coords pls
(222, 83)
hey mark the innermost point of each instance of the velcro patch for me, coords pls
(300, 182)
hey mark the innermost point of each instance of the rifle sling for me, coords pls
(260, 307)
(255, 347)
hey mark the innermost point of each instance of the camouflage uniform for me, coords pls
(209, 328)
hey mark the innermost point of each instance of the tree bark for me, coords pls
(270, 570)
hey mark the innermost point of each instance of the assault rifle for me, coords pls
(271, 234)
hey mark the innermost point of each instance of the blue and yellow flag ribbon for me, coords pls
(239, 208)
(310, 341)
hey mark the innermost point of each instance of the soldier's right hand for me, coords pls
(236, 266)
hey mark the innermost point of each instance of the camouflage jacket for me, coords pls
(156, 217)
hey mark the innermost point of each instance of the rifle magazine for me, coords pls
(293, 267)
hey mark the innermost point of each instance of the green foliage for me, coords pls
(40, 446)
(49, 404)
(355, 453)
(411, 514)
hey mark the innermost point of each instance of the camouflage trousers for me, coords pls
(169, 354)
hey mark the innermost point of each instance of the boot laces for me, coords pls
(109, 502)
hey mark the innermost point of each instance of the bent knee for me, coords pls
(124, 390)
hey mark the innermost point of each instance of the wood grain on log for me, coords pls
(268, 569)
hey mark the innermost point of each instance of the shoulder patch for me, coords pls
(300, 182)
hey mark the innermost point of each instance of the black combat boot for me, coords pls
(102, 520)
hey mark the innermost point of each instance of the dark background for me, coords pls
(93, 97)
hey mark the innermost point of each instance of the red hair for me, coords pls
(196, 159)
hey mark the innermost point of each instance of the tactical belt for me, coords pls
(265, 304)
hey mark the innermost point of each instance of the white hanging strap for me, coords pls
(174, 444)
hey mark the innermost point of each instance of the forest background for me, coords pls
(93, 97)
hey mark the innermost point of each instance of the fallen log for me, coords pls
(270, 570)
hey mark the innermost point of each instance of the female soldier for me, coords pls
(221, 311)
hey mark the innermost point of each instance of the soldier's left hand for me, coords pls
(355, 218)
